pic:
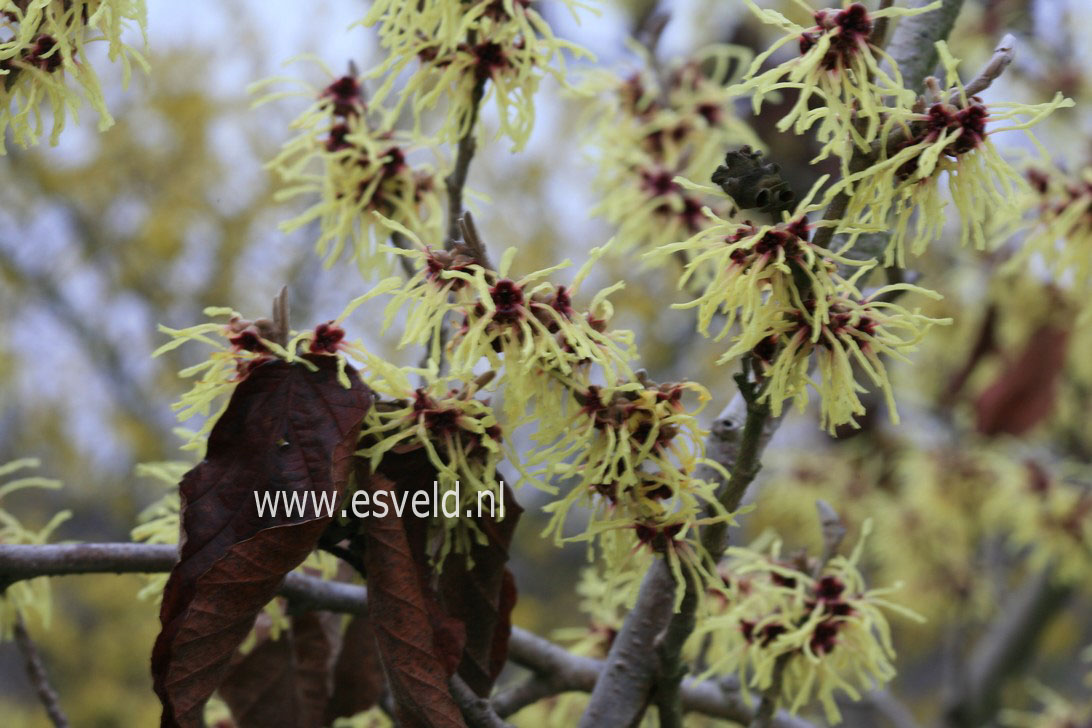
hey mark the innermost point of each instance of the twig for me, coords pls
(833, 530)
(1002, 57)
(456, 181)
(530, 691)
(569, 672)
(477, 710)
(37, 674)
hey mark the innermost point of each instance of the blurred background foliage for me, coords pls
(171, 210)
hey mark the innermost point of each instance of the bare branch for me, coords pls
(456, 181)
(834, 531)
(477, 710)
(567, 672)
(528, 692)
(19, 562)
(1002, 57)
(37, 674)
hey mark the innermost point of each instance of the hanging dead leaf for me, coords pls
(287, 430)
(1024, 393)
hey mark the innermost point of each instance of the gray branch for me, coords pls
(37, 674)
(565, 672)
(562, 670)
(478, 711)
(913, 44)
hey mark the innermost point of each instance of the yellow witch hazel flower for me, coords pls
(1054, 526)
(1061, 229)
(468, 52)
(534, 324)
(784, 300)
(348, 155)
(630, 446)
(673, 123)
(30, 596)
(750, 272)
(857, 333)
(840, 64)
(42, 43)
(526, 325)
(239, 345)
(948, 139)
(829, 630)
(628, 455)
(458, 432)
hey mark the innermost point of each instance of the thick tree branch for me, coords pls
(913, 46)
(19, 562)
(37, 674)
(564, 671)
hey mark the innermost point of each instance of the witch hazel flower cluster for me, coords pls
(486, 51)
(674, 121)
(349, 156)
(43, 50)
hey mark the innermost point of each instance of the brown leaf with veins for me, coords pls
(286, 429)
(285, 683)
(419, 645)
(482, 597)
(358, 673)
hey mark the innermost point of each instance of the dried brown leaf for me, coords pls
(286, 429)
